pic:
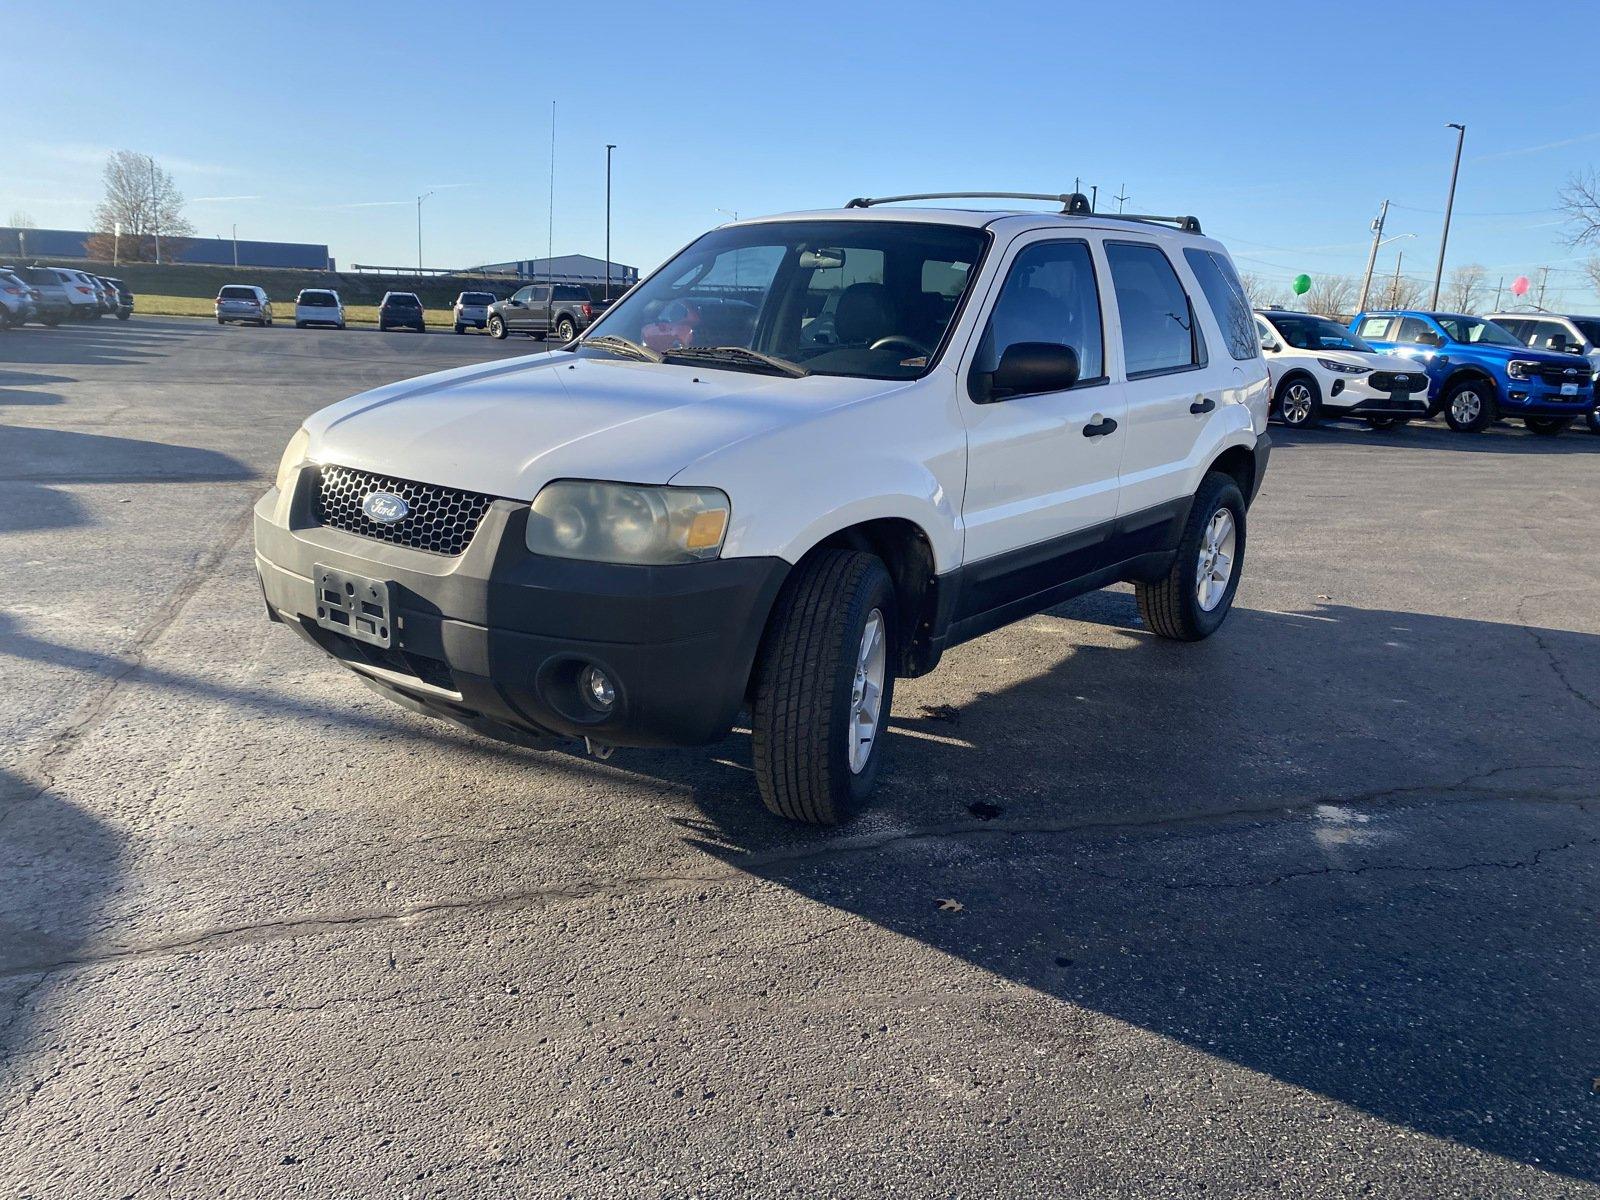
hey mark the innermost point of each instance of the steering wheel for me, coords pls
(898, 339)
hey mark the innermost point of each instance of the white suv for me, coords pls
(1321, 369)
(804, 457)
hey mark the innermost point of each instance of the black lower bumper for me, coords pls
(1548, 405)
(1383, 406)
(498, 637)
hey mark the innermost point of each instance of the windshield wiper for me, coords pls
(731, 354)
(621, 345)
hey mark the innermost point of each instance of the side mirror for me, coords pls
(1027, 368)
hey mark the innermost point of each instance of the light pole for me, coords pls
(420, 199)
(1449, 204)
(1366, 284)
(236, 244)
(610, 146)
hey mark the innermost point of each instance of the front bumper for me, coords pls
(494, 638)
(1529, 398)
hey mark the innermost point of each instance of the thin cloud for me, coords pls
(1539, 149)
(87, 154)
(220, 199)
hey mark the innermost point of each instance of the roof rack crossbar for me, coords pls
(1071, 202)
(1074, 204)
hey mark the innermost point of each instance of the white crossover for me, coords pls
(1321, 369)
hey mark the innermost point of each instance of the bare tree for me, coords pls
(145, 204)
(1465, 287)
(1399, 291)
(21, 220)
(1260, 291)
(1591, 268)
(1331, 295)
(1580, 200)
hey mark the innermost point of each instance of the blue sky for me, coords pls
(1281, 125)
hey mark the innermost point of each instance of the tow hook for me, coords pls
(597, 750)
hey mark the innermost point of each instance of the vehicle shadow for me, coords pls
(56, 862)
(32, 453)
(1506, 437)
(1263, 921)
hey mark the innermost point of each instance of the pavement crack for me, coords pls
(1556, 665)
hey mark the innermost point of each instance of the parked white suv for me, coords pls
(1321, 369)
(804, 457)
(318, 306)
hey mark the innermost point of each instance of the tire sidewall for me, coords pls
(566, 330)
(874, 591)
(1217, 492)
(497, 328)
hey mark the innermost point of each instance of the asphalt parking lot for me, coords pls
(1306, 909)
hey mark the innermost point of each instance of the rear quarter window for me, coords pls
(1225, 294)
(1377, 329)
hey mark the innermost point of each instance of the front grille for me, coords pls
(1386, 381)
(1557, 374)
(442, 520)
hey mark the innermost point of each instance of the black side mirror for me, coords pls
(1027, 368)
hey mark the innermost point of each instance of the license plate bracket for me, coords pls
(355, 606)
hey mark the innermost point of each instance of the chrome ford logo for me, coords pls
(385, 508)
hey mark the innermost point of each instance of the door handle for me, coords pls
(1100, 428)
(1203, 405)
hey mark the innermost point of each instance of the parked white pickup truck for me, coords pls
(803, 458)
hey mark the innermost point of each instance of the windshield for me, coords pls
(871, 299)
(1476, 329)
(1316, 333)
(1590, 328)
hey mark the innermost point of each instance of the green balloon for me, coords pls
(1302, 284)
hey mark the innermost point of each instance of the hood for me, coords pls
(508, 428)
(1371, 360)
(1524, 353)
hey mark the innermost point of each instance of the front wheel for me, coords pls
(1547, 426)
(1194, 598)
(497, 328)
(1469, 407)
(566, 331)
(1299, 402)
(1592, 420)
(824, 685)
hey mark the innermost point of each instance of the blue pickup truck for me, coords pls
(1479, 373)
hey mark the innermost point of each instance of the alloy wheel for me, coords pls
(1465, 406)
(866, 691)
(1296, 407)
(1217, 547)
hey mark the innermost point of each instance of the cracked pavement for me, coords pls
(1306, 909)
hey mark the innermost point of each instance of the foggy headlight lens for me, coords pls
(626, 523)
(293, 455)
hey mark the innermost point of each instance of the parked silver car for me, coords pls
(472, 308)
(243, 302)
(49, 293)
(82, 293)
(16, 301)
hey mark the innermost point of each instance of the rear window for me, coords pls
(317, 300)
(477, 298)
(571, 292)
(1225, 294)
(403, 300)
(237, 293)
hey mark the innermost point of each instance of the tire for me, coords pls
(220, 321)
(299, 324)
(52, 322)
(1469, 406)
(807, 684)
(1547, 426)
(497, 328)
(123, 316)
(1299, 402)
(1383, 423)
(382, 328)
(1592, 420)
(1172, 608)
(459, 328)
(566, 330)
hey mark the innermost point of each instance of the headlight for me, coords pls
(627, 523)
(293, 455)
(1521, 368)
(1342, 368)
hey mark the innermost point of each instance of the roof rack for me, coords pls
(1073, 204)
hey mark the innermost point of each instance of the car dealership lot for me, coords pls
(1308, 906)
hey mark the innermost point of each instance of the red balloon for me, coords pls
(1519, 286)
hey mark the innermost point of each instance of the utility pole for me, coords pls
(1497, 288)
(1394, 288)
(1449, 205)
(550, 216)
(610, 146)
(236, 244)
(420, 199)
(1121, 195)
(1094, 196)
(1372, 256)
(1544, 277)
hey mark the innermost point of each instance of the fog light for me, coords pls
(597, 689)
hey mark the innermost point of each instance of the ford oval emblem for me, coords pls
(385, 508)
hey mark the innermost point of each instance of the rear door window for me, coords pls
(1158, 328)
(1412, 329)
